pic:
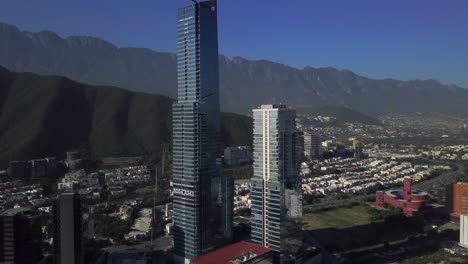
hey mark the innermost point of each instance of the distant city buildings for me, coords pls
(363, 176)
(276, 191)
(234, 156)
(457, 200)
(358, 149)
(20, 236)
(68, 229)
(78, 179)
(19, 194)
(312, 145)
(33, 169)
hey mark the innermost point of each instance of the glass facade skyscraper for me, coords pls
(202, 206)
(276, 188)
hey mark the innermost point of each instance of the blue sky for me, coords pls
(402, 39)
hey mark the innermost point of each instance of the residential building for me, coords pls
(234, 156)
(457, 200)
(276, 195)
(464, 230)
(199, 194)
(312, 145)
(68, 229)
(20, 236)
(19, 170)
(358, 149)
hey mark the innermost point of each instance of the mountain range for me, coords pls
(244, 84)
(47, 115)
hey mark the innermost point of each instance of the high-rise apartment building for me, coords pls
(20, 236)
(276, 190)
(68, 229)
(464, 230)
(358, 149)
(312, 145)
(300, 150)
(457, 200)
(201, 202)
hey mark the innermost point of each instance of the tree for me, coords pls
(244, 212)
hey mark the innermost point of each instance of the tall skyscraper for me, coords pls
(68, 229)
(20, 236)
(312, 145)
(276, 189)
(201, 200)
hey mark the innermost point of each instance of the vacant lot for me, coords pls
(338, 218)
(350, 229)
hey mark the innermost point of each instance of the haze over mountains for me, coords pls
(244, 84)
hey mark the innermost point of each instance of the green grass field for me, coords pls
(241, 220)
(350, 229)
(338, 218)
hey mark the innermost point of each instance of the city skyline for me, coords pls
(400, 40)
(100, 174)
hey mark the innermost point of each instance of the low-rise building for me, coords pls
(238, 253)
(410, 201)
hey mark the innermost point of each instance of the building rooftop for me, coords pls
(238, 253)
(272, 106)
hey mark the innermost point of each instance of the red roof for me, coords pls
(227, 254)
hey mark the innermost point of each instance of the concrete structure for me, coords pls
(68, 229)
(276, 190)
(20, 236)
(237, 155)
(411, 202)
(457, 200)
(141, 228)
(238, 253)
(312, 145)
(199, 195)
(464, 230)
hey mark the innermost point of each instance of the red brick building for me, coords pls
(411, 202)
(457, 200)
